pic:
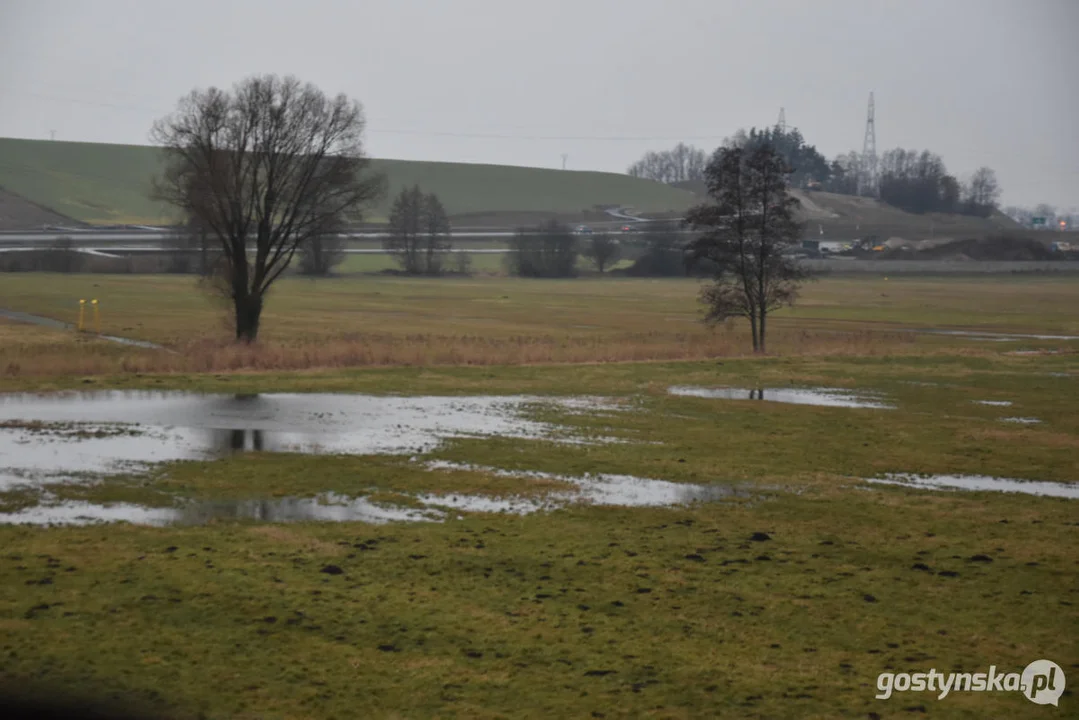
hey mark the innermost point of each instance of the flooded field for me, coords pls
(825, 397)
(50, 441)
(328, 507)
(43, 437)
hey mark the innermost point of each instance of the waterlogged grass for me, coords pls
(274, 475)
(676, 613)
(617, 612)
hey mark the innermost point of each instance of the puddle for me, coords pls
(116, 431)
(598, 489)
(612, 490)
(826, 397)
(1035, 352)
(1021, 420)
(994, 403)
(982, 335)
(980, 483)
(329, 507)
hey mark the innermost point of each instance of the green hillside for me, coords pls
(103, 184)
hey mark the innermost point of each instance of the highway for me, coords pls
(83, 238)
(141, 238)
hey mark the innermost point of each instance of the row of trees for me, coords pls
(682, 163)
(919, 182)
(915, 181)
(276, 167)
(552, 250)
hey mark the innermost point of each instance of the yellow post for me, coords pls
(82, 310)
(97, 317)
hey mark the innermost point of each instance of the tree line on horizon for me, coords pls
(274, 168)
(911, 180)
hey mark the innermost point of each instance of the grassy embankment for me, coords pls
(664, 612)
(106, 184)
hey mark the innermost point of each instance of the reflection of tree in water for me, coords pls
(238, 440)
(756, 394)
(229, 441)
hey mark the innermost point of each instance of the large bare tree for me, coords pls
(745, 230)
(264, 168)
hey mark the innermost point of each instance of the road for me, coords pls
(89, 237)
(144, 238)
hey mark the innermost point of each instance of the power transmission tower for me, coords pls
(868, 178)
(52, 134)
(781, 125)
(564, 156)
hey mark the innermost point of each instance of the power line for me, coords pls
(411, 132)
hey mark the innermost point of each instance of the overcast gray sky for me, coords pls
(982, 82)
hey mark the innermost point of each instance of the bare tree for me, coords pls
(419, 231)
(982, 192)
(406, 227)
(549, 250)
(321, 254)
(602, 250)
(270, 164)
(437, 226)
(745, 229)
(682, 162)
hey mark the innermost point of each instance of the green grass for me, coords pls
(620, 612)
(169, 309)
(665, 612)
(99, 183)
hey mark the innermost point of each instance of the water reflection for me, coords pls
(826, 397)
(598, 489)
(602, 489)
(104, 432)
(326, 508)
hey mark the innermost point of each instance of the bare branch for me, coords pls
(274, 163)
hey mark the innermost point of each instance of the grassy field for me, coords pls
(786, 600)
(479, 263)
(103, 184)
(495, 321)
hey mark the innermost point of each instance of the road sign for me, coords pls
(1037, 221)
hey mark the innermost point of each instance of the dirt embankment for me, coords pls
(18, 213)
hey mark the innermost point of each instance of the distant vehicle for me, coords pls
(628, 229)
(583, 230)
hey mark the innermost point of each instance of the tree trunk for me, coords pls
(764, 316)
(248, 310)
(753, 325)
